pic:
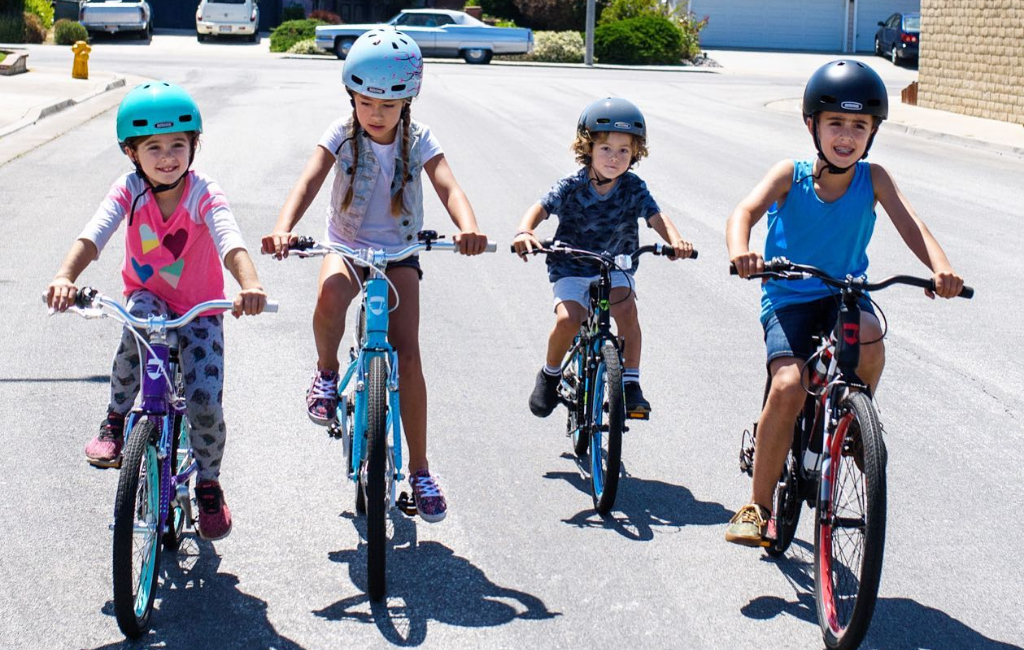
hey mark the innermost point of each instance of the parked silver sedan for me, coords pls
(438, 32)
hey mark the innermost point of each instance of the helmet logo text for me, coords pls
(852, 106)
(624, 125)
(375, 90)
(163, 125)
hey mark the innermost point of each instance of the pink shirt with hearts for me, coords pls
(179, 259)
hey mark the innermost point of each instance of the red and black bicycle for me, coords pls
(836, 464)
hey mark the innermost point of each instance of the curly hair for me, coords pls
(584, 143)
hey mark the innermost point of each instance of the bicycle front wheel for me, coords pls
(375, 479)
(849, 537)
(607, 411)
(137, 531)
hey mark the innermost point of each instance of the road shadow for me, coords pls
(897, 624)
(426, 582)
(90, 379)
(197, 607)
(641, 505)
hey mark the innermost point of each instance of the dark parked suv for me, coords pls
(898, 37)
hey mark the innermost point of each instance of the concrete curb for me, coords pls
(956, 139)
(37, 113)
(536, 64)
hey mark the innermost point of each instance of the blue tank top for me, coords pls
(831, 236)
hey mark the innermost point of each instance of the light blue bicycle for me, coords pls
(368, 403)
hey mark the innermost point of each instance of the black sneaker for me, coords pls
(635, 402)
(544, 398)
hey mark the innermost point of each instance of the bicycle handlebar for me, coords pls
(90, 303)
(779, 268)
(309, 247)
(550, 246)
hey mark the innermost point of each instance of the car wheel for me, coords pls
(342, 47)
(477, 56)
(878, 47)
(894, 55)
(200, 37)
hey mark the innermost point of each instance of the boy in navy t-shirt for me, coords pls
(598, 209)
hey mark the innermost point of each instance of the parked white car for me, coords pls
(112, 16)
(438, 32)
(228, 18)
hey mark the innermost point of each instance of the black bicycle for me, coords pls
(591, 386)
(836, 464)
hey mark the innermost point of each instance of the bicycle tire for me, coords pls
(606, 433)
(137, 502)
(858, 437)
(376, 488)
(786, 508)
(176, 514)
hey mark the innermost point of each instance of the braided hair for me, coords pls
(398, 200)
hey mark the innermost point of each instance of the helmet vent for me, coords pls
(140, 122)
(184, 118)
(358, 80)
(397, 88)
(603, 120)
(394, 46)
(828, 99)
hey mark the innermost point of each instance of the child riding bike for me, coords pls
(180, 230)
(821, 212)
(598, 207)
(378, 154)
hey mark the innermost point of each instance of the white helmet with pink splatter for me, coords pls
(384, 63)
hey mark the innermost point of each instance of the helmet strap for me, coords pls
(157, 189)
(597, 179)
(832, 169)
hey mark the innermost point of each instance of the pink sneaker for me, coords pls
(322, 397)
(214, 515)
(105, 448)
(430, 502)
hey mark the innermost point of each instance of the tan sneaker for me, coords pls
(747, 527)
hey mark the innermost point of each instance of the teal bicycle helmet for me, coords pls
(157, 107)
(384, 63)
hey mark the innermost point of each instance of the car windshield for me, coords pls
(912, 22)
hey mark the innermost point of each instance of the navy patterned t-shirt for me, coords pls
(602, 224)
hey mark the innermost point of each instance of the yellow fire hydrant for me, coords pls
(80, 68)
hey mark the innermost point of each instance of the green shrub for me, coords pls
(12, 28)
(3, 55)
(289, 33)
(293, 12)
(68, 32)
(43, 9)
(651, 40)
(686, 21)
(307, 46)
(557, 47)
(34, 30)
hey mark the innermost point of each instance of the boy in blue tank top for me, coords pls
(820, 212)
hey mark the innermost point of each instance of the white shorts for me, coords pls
(577, 289)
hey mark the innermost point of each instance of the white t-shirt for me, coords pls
(379, 228)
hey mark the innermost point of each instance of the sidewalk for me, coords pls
(36, 97)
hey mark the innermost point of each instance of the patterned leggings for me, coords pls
(201, 352)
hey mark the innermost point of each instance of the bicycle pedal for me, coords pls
(638, 415)
(406, 504)
(105, 464)
(334, 430)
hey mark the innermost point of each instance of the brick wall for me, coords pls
(972, 57)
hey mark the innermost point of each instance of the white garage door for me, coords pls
(783, 24)
(871, 11)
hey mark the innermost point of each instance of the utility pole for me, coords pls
(588, 58)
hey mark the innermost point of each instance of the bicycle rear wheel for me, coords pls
(607, 411)
(576, 422)
(375, 479)
(137, 532)
(849, 534)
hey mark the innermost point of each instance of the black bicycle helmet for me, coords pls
(613, 114)
(845, 86)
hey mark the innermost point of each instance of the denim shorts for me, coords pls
(577, 289)
(788, 330)
(412, 262)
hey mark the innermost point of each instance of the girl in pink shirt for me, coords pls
(180, 230)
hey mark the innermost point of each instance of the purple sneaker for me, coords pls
(427, 494)
(322, 397)
(105, 449)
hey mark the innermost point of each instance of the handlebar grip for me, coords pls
(271, 306)
(966, 292)
(303, 243)
(732, 269)
(491, 247)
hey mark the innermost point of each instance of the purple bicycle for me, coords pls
(152, 509)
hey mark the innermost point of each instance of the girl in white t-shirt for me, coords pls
(377, 201)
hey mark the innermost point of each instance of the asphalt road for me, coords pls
(522, 560)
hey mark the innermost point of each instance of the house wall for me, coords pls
(972, 58)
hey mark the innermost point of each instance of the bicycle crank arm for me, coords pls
(406, 504)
